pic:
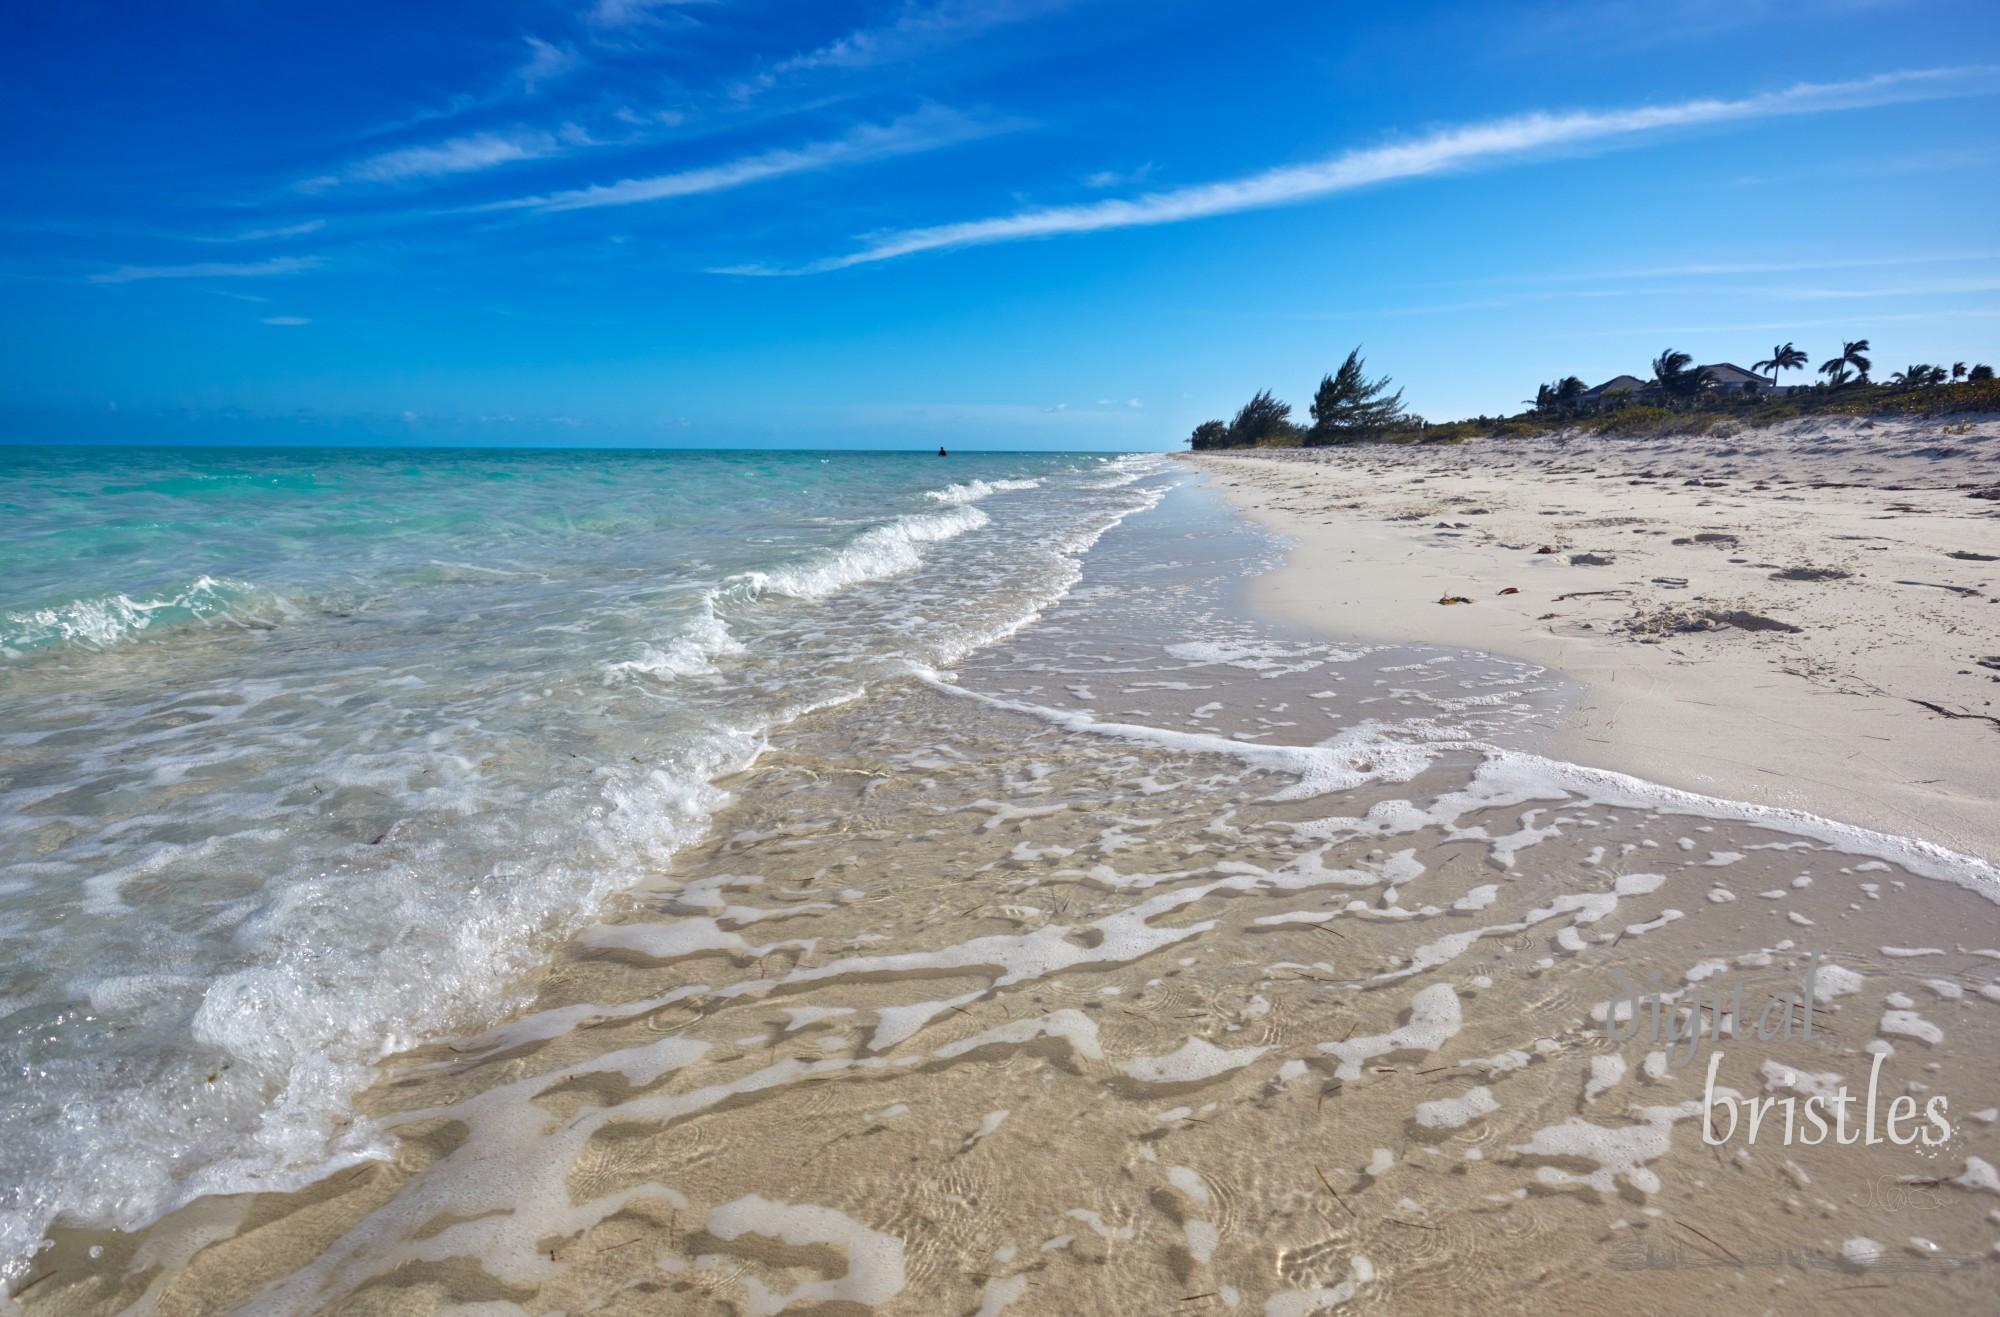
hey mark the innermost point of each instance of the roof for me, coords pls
(1724, 372)
(1616, 384)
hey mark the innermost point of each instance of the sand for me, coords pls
(1879, 709)
(1162, 959)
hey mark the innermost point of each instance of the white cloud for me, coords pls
(207, 270)
(1104, 178)
(459, 155)
(545, 62)
(1451, 149)
(924, 131)
(263, 235)
(286, 320)
(919, 29)
(623, 13)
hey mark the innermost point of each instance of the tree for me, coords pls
(1348, 405)
(1957, 371)
(1263, 417)
(1980, 374)
(1671, 374)
(1784, 358)
(1209, 434)
(1913, 377)
(1560, 396)
(1851, 354)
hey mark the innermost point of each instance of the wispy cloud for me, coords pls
(1104, 178)
(919, 29)
(268, 235)
(207, 270)
(545, 61)
(924, 131)
(287, 320)
(458, 155)
(1440, 152)
(624, 13)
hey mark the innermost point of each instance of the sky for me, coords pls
(1004, 224)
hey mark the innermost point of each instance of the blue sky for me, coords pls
(1083, 224)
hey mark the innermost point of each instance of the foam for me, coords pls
(873, 555)
(1196, 1059)
(875, 1271)
(1434, 1017)
(106, 620)
(972, 491)
(1303, 1303)
(1606, 1072)
(1620, 1153)
(1909, 1024)
(1455, 1113)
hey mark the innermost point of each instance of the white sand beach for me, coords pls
(1637, 560)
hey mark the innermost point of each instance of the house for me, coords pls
(1732, 378)
(1616, 385)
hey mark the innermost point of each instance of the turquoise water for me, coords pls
(310, 756)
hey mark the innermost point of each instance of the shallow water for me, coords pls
(308, 757)
(1151, 958)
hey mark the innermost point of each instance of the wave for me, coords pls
(875, 554)
(107, 620)
(974, 490)
(692, 653)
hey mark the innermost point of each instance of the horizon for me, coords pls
(1000, 226)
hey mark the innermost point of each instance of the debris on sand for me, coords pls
(1590, 560)
(1678, 619)
(1454, 599)
(1749, 621)
(1811, 574)
(1939, 585)
(1706, 537)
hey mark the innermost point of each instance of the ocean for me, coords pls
(426, 866)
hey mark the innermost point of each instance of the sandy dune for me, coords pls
(1806, 616)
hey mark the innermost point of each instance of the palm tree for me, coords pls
(1957, 371)
(1850, 355)
(1671, 373)
(1913, 377)
(1784, 358)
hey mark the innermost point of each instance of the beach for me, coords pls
(1870, 691)
(1064, 908)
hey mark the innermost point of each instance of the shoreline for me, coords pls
(1849, 717)
(1020, 988)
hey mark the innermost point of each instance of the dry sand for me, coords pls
(1879, 709)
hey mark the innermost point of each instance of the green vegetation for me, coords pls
(1348, 406)
(1680, 398)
